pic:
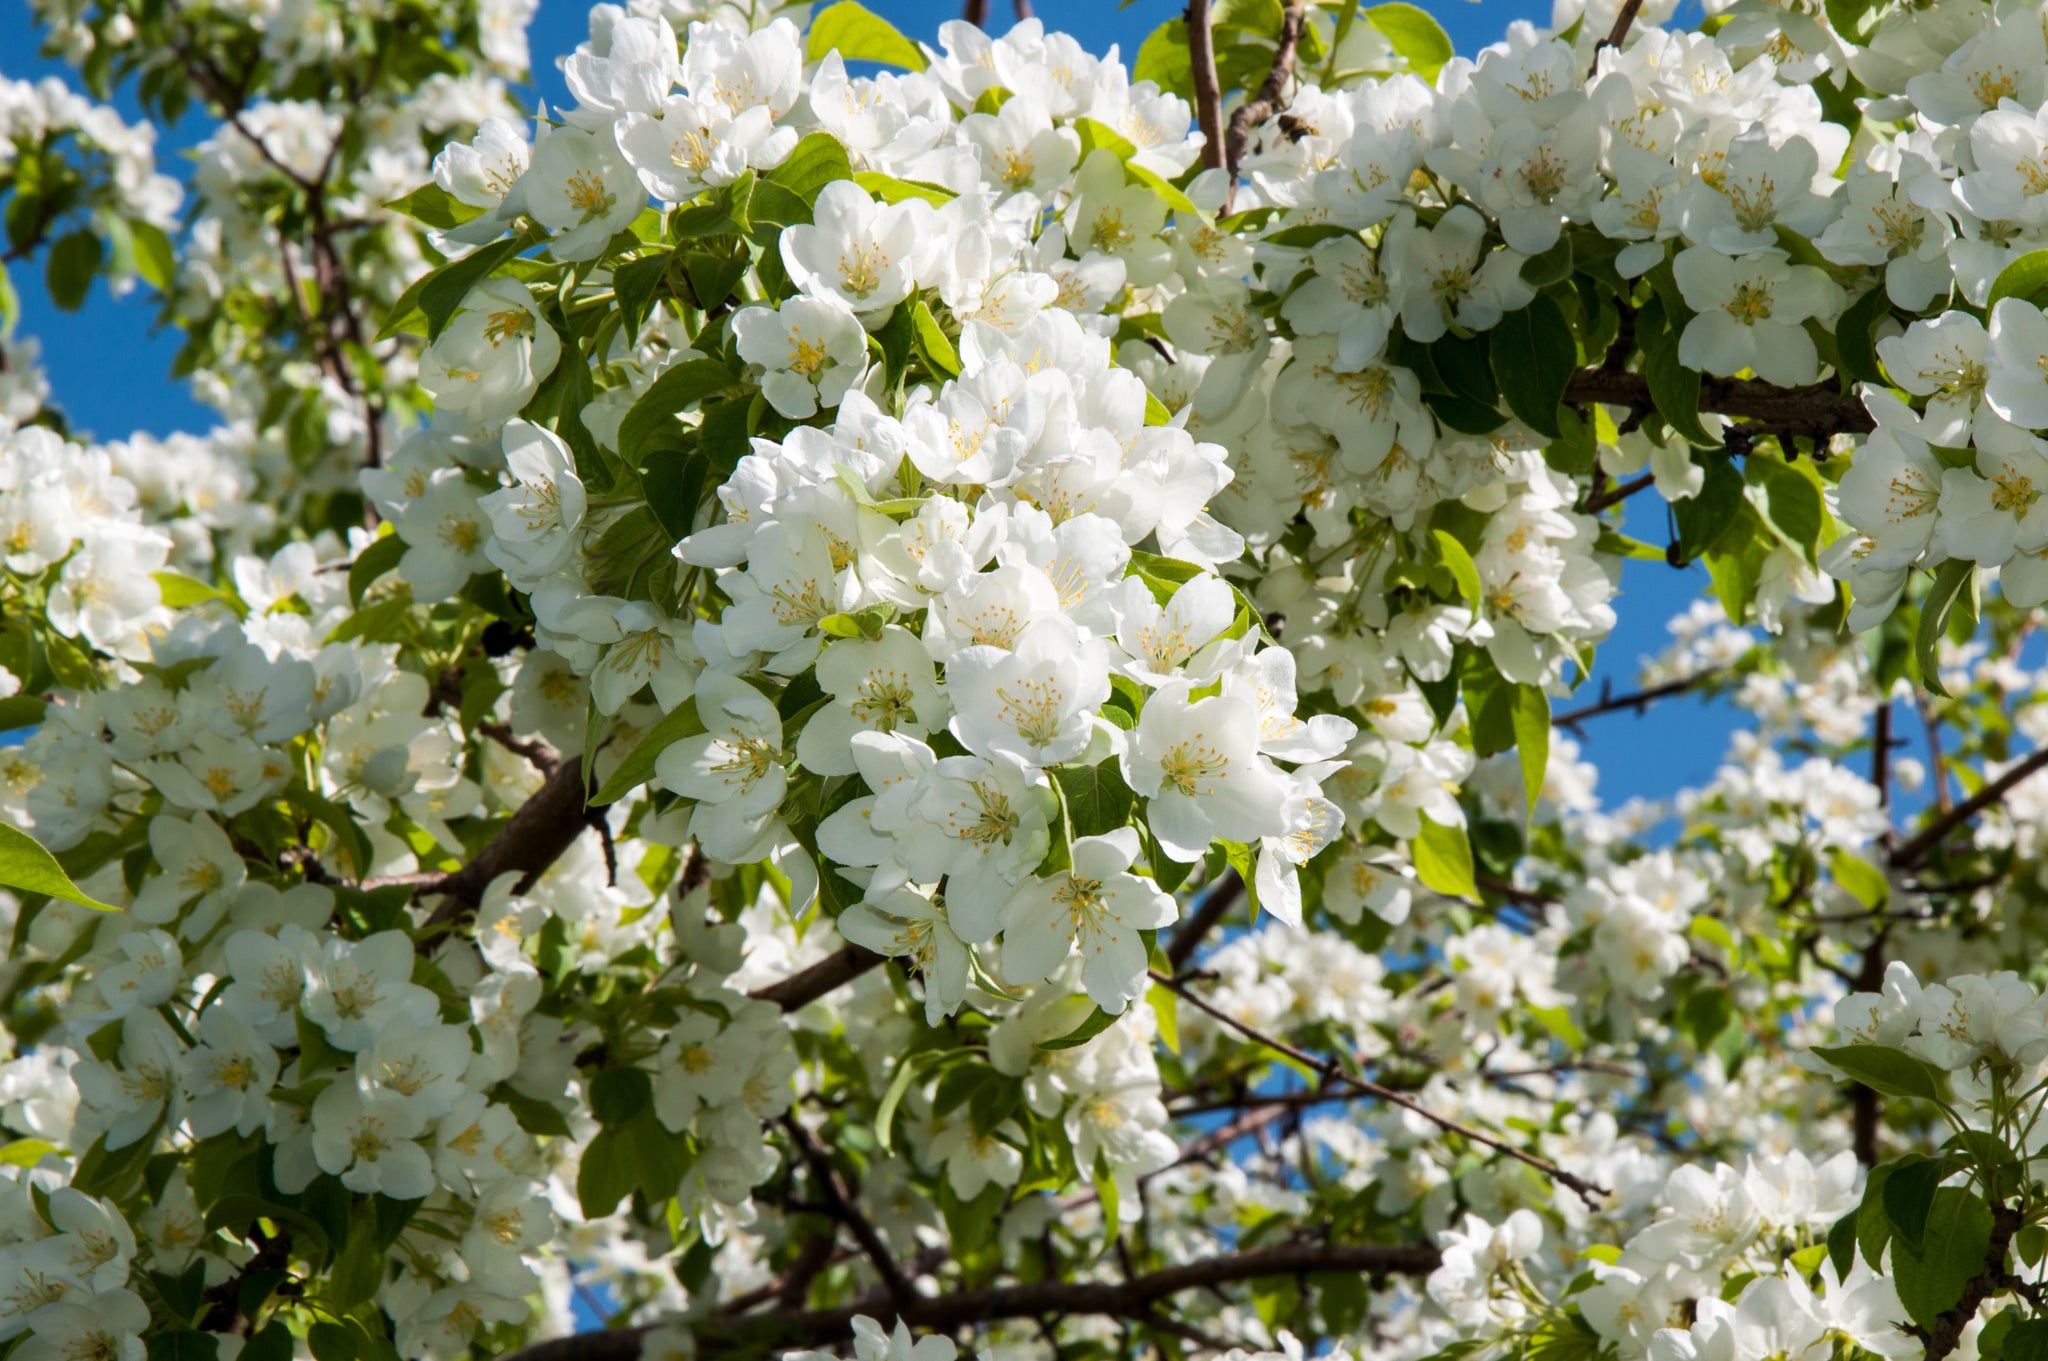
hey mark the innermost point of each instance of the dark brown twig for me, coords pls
(808, 985)
(1638, 701)
(1616, 35)
(843, 1208)
(1909, 855)
(1332, 1072)
(1215, 905)
(1269, 100)
(1202, 71)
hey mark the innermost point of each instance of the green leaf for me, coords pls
(1166, 189)
(606, 1174)
(1704, 520)
(183, 1344)
(1950, 581)
(372, 563)
(1860, 879)
(674, 726)
(1463, 570)
(359, 1271)
(1416, 36)
(1855, 334)
(1792, 502)
(1443, 860)
(889, 189)
(2023, 278)
(899, 1083)
(618, 1095)
(1097, 1022)
(858, 34)
(442, 293)
(21, 711)
(181, 592)
(1163, 59)
(635, 283)
(1673, 387)
(817, 161)
(69, 271)
(26, 1152)
(156, 260)
(1097, 798)
(2025, 1340)
(1842, 1245)
(436, 207)
(1533, 356)
(938, 351)
(1909, 1196)
(1991, 1339)
(332, 1342)
(272, 1342)
(1532, 738)
(1100, 136)
(650, 422)
(1931, 1278)
(1891, 1072)
(25, 865)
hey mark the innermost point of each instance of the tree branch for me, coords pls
(836, 1196)
(1639, 700)
(1208, 94)
(808, 985)
(1913, 852)
(1215, 905)
(542, 828)
(967, 1308)
(1622, 23)
(1271, 97)
(1818, 410)
(1331, 1072)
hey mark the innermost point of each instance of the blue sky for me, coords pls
(108, 364)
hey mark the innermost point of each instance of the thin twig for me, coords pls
(843, 1209)
(1615, 36)
(1587, 1191)
(1638, 701)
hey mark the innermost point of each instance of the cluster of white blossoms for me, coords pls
(66, 153)
(674, 753)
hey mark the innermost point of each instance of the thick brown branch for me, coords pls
(1331, 1072)
(543, 827)
(1208, 93)
(1215, 905)
(1909, 855)
(808, 985)
(967, 1308)
(1818, 410)
(1271, 96)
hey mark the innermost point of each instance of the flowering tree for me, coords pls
(859, 683)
